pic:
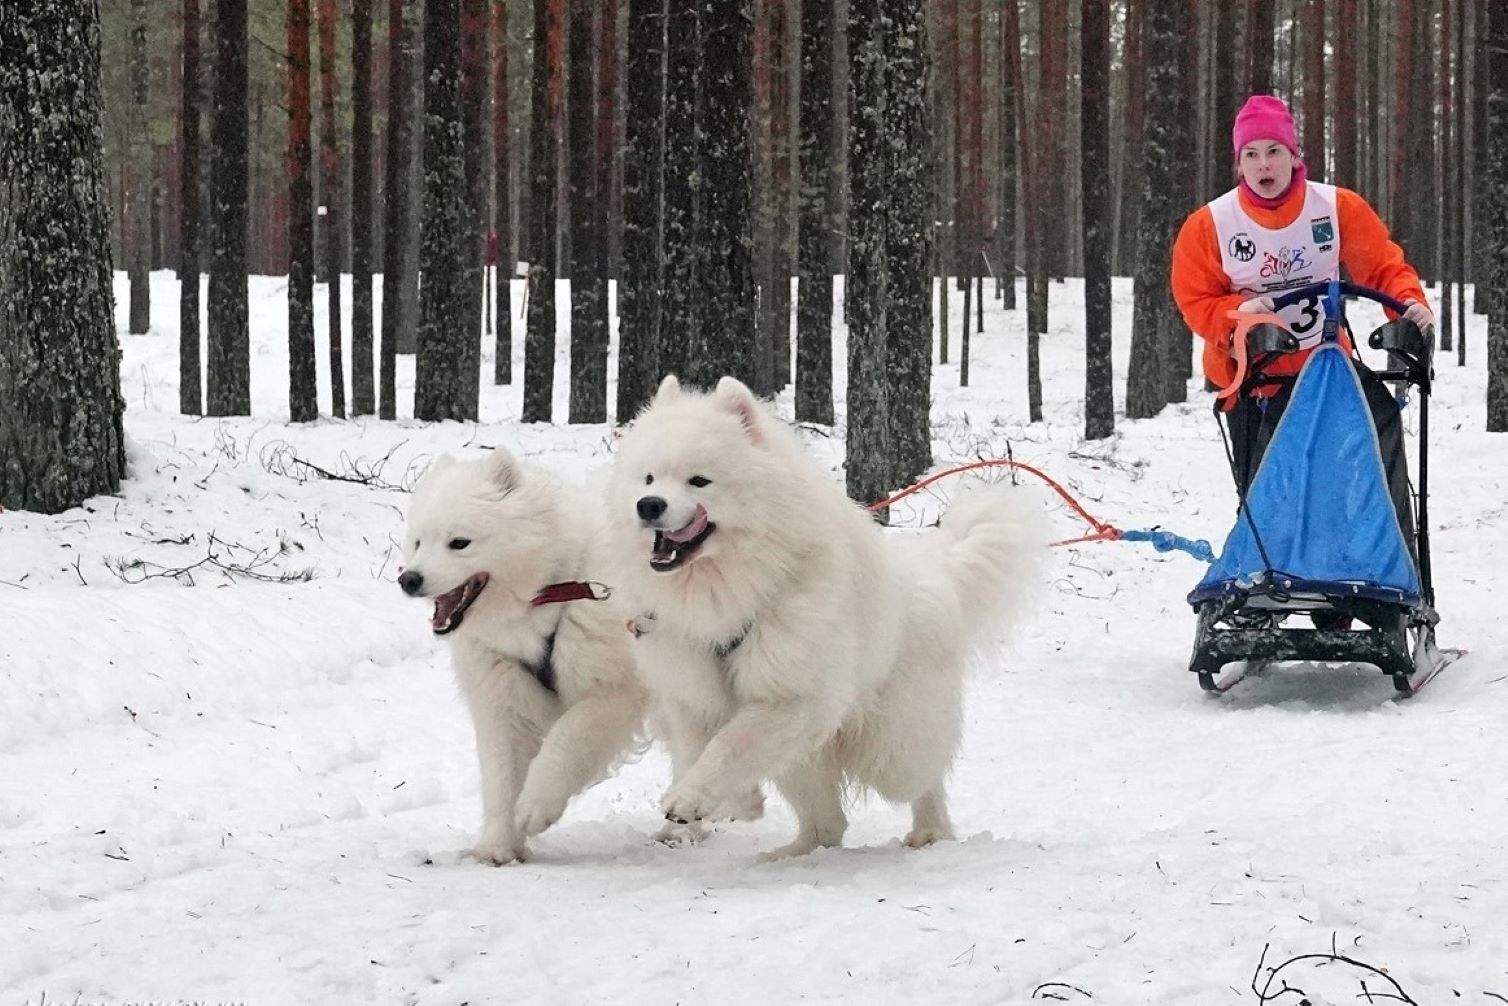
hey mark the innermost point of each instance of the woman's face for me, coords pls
(1267, 166)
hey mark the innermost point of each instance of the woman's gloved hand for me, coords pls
(1418, 312)
(1257, 305)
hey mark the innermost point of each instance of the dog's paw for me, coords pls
(497, 849)
(800, 847)
(688, 804)
(676, 835)
(537, 811)
(920, 838)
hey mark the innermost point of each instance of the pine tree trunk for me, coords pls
(544, 153)
(1226, 97)
(1094, 170)
(475, 124)
(1146, 380)
(440, 386)
(1462, 177)
(1260, 16)
(950, 240)
(908, 240)
(869, 468)
(814, 289)
(1314, 87)
(190, 385)
(780, 191)
(1005, 226)
(61, 439)
(609, 204)
(643, 183)
(683, 187)
(137, 229)
(362, 393)
(331, 196)
(397, 196)
(1177, 337)
(1129, 205)
(303, 401)
(502, 162)
(1400, 163)
(1347, 111)
(1494, 50)
(1483, 261)
(1450, 179)
(723, 341)
(229, 381)
(588, 401)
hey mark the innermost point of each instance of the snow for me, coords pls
(236, 789)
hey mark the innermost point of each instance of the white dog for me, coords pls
(550, 686)
(784, 635)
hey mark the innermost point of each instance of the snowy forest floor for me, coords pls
(215, 787)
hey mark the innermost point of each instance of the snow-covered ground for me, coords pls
(216, 787)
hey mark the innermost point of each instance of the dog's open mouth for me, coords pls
(672, 548)
(451, 606)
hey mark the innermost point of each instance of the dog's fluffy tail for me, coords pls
(993, 553)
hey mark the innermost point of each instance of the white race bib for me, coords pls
(1263, 262)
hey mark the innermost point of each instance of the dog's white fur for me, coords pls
(853, 642)
(537, 748)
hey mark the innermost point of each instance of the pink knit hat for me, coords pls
(1264, 117)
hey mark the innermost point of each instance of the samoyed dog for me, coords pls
(507, 555)
(783, 634)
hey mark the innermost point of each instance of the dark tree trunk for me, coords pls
(440, 382)
(544, 152)
(1005, 222)
(1094, 169)
(778, 315)
(723, 340)
(588, 401)
(1177, 337)
(1462, 175)
(869, 469)
(1494, 49)
(608, 206)
(1226, 97)
(1313, 32)
(1161, 210)
(908, 240)
(397, 197)
(1400, 174)
(1128, 205)
(331, 196)
(1450, 181)
(362, 396)
(1483, 261)
(137, 227)
(1260, 17)
(1347, 111)
(303, 400)
(683, 186)
(229, 382)
(814, 289)
(1053, 129)
(502, 158)
(475, 123)
(190, 386)
(61, 439)
(949, 240)
(643, 182)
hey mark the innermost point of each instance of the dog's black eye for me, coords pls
(699, 482)
(649, 480)
(459, 543)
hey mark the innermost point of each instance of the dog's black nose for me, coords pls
(651, 507)
(411, 582)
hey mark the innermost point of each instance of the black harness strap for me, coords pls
(544, 670)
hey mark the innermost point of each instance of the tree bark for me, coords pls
(643, 183)
(683, 187)
(362, 393)
(1005, 221)
(723, 341)
(1260, 17)
(303, 399)
(1128, 205)
(814, 289)
(397, 197)
(229, 381)
(908, 240)
(440, 378)
(544, 153)
(779, 313)
(475, 124)
(867, 454)
(190, 385)
(1094, 170)
(61, 439)
(502, 163)
(331, 195)
(1494, 49)
(1314, 87)
(1347, 111)
(138, 225)
(588, 400)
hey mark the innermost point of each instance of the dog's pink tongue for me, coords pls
(445, 606)
(697, 526)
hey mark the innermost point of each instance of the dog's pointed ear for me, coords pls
(734, 396)
(503, 469)
(669, 388)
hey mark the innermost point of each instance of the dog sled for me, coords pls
(1318, 533)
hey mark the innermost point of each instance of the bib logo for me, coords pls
(1242, 248)
(1284, 263)
(1322, 229)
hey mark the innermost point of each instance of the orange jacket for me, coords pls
(1203, 291)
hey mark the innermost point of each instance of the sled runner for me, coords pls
(1317, 531)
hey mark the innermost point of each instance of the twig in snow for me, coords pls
(1266, 994)
(1060, 997)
